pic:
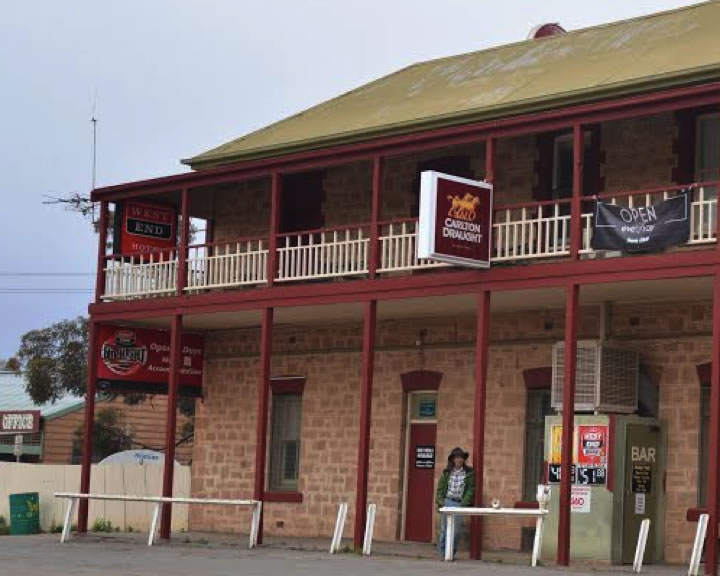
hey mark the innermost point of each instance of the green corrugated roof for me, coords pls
(672, 48)
(13, 396)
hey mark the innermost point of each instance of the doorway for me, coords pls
(420, 457)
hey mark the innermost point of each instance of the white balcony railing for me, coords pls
(140, 275)
(521, 232)
(227, 264)
(398, 248)
(323, 254)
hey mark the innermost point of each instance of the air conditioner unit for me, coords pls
(606, 378)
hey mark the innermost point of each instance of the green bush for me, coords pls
(55, 528)
(102, 525)
(4, 528)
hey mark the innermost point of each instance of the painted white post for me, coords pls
(339, 528)
(255, 525)
(641, 544)
(543, 497)
(698, 545)
(369, 528)
(449, 537)
(154, 523)
(69, 513)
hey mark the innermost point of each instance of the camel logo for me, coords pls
(123, 354)
(463, 208)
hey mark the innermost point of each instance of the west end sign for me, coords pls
(455, 222)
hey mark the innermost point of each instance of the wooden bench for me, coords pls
(158, 501)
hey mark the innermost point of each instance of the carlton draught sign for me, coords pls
(138, 360)
(455, 220)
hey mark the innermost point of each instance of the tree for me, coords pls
(9, 365)
(109, 436)
(54, 360)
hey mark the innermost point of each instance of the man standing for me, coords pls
(455, 488)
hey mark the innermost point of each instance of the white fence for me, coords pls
(46, 479)
(140, 276)
(542, 231)
(398, 248)
(226, 265)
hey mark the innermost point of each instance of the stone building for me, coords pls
(331, 350)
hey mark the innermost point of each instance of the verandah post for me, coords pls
(275, 199)
(568, 422)
(89, 423)
(478, 454)
(713, 484)
(363, 462)
(263, 399)
(377, 176)
(576, 203)
(171, 421)
(102, 239)
(184, 241)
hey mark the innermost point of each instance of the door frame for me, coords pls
(406, 458)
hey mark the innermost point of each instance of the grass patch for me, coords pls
(102, 525)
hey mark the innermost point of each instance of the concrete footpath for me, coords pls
(126, 554)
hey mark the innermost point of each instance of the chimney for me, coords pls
(545, 30)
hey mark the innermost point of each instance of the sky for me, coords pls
(168, 79)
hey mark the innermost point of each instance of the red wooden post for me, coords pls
(184, 240)
(171, 420)
(263, 399)
(490, 160)
(275, 198)
(368, 358)
(576, 205)
(481, 364)
(102, 239)
(374, 257)
(568, 423)
(713, 484)
(93, 347)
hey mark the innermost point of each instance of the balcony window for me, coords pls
(285, 442)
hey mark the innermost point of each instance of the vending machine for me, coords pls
(617, 480)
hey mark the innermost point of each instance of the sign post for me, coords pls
(18, 448)
(455, 223)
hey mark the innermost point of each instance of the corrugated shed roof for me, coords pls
(14, 397)
(674, 48)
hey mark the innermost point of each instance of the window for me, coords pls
(538, 406)
(704, 445)
(564, 166)
(301, 204)
(285, 441)
(707, 157)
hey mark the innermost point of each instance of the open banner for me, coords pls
(643, 228)
(138, 360)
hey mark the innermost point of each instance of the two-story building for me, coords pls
(332, 353)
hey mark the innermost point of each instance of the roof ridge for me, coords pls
(568, 33)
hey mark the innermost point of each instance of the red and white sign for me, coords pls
(592, 444)
(20, 422)
(147, 227)
(455, 223)
(138, 360)
(581, 499)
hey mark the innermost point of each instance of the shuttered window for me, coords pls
(538, 406)
(285, 442)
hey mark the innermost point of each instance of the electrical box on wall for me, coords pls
(606, 378)
(617, 482)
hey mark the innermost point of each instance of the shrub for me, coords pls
(102, 525)
(4, 528)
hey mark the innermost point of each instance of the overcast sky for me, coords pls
(175, 77)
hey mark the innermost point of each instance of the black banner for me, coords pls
(642, 228)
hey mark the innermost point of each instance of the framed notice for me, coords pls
(147, 227)
(138, 360)
(424, 457)
(455, 220)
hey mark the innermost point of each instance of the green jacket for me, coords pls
(468, 491)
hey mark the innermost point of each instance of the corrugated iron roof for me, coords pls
(14, 397)
(674, 48)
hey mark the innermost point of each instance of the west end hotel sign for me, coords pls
(455, 220)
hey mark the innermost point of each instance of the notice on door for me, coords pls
(639, 503)
(425, 457)
(641, 479)
(581, 499)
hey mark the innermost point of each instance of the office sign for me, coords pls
(147, 227)
(138, 360)
(643, 228)
(19, 421)
(455, 220)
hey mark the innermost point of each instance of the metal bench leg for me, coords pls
(154, 523)
(537, 544)
(449, 537)
(69, 513)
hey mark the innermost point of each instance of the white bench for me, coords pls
(543, 496)
(158, 501)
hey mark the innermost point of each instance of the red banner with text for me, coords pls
(138, 360)
(147, 227)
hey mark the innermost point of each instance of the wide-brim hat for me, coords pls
(458, 452)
